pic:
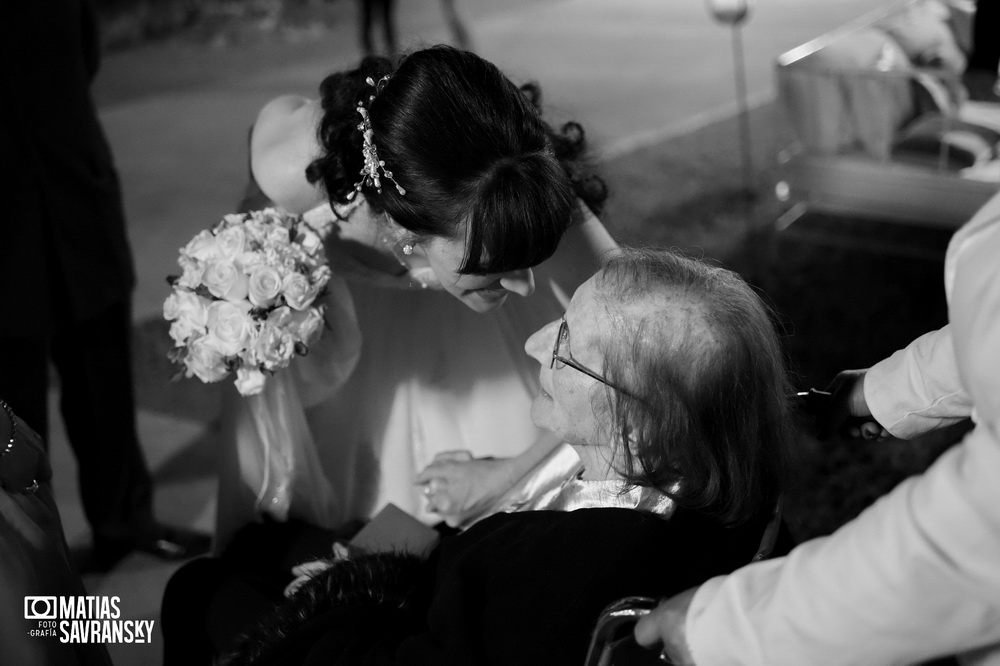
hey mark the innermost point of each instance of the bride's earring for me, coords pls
(408, 249)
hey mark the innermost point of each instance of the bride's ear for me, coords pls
(394, 230)
(401, 238)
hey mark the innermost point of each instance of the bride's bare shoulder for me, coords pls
(282, 145)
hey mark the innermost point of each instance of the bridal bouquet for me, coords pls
(246, 299)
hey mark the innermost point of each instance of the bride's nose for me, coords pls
(520, 282)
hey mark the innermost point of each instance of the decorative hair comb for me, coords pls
(372, 167)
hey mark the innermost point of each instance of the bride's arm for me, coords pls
(466, 488)
(579, 256)
(283, 143)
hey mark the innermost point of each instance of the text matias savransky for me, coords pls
(85, 619)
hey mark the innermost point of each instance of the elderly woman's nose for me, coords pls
(539, 345)
(520, 282)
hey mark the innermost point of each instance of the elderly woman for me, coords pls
(666, 377)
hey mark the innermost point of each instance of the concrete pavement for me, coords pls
(634, 72)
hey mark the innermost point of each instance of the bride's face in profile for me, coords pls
(482, 293)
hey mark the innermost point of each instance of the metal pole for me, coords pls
(744, 115)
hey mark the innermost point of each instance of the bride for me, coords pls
(458, 222)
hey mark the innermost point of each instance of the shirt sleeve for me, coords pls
(918, 388)
(915, 576)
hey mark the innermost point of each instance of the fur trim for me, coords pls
(375, 579)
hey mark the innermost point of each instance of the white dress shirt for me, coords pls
(917, 575)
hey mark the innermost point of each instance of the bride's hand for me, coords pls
(459, 487)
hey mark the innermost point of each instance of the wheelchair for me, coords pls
(612, 642)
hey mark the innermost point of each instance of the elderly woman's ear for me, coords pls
(628, 439)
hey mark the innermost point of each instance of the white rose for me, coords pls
(254, 230)
(278, 235)
(182, 302)
(180, 333)
(320, 276)
(201, 247)
(171, 307)
(299, 294)
(275, 345)
(308, 324)
(193, 270)
(265, 285)
(249, 381)
(230, 327)
(226, 281)
(230, 242)
(188, 313)
(205, 361)
(280, 317)
(247, 261)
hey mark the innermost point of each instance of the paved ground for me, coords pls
(635, 72)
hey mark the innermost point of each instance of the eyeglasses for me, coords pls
(563, 336)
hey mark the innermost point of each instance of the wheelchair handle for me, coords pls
(615, 625)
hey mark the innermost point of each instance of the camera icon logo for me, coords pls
(40, 608)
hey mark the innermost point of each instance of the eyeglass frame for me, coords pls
(571, 362)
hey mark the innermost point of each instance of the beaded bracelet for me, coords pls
(13, 428)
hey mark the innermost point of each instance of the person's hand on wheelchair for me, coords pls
(846, 412)
(664, 628)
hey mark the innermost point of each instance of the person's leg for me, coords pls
(459, 32)
(98, 408)
(24, 380)
(365, 26)
(389, 25)
(985, 54)
(981, 71)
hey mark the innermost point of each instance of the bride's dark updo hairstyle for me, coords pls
(466, 144)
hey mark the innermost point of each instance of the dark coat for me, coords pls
(62, 229)
(523, 588)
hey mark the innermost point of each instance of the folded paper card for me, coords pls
(392, 529)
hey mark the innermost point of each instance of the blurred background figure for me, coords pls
(34, 559)
(67, 276)
(370, 12)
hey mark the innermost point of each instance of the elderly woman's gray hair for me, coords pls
(704, 414)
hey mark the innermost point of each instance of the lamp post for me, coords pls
(735, 13)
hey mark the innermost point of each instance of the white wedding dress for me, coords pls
(404, 372)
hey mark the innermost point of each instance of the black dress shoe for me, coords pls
(163, 541)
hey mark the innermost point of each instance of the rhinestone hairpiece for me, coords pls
(373, 165)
